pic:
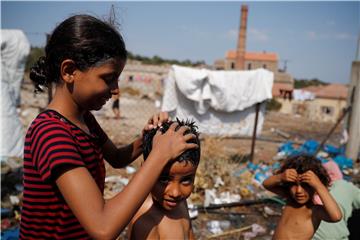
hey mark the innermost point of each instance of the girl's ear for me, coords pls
(67, 70)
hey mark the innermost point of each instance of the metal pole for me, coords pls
(257, 107)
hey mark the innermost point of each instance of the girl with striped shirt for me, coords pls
(65, 147)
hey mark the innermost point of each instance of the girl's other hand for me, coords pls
(156, 121)
(289, 175)
(172, 143)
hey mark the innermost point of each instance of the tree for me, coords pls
(301, 83)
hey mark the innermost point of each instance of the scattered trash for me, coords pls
(343, 162)
(256, 229)
(224, 197)
(230, 232)
(113, 185)
(193, 211)
(270, 212)
(280, 133)
(217, 227)
(10, 234)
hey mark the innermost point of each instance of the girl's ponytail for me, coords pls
(38, 74)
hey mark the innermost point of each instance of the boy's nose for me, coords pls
(174, 191)
(298, 188)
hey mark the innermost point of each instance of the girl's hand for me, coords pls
(156, 121)
(172, 143)
(289, 175)
(310, 178)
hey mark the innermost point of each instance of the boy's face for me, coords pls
(301, 192)
(174, 185)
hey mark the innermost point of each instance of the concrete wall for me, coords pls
(286, 105)
(146, 78)
(320, 109)
(327, 109)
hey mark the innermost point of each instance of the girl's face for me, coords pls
(301, 192)
(174, 185)
(93, 87)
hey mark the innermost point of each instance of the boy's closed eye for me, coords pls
(164, 179)
(187, 180)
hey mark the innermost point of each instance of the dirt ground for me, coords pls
(220, 156)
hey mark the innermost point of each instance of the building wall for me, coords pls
(286, 105)
(270, 65)
(319, 109)
(146, 78)
(328, 110)
(229, 64)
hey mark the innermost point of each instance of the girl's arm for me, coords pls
(275, 183)
(123, 156)
(330, 212)
(105, 220)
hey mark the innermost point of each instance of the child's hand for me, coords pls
(310, 178)
(289, 175)
(172, 143)
(156, 121)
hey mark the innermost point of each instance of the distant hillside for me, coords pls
(301, 83)
(36, 52)
(156, 60)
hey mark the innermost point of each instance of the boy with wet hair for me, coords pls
(164, 214)
(299, 178)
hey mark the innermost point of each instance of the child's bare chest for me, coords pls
(174, 228)
(295, 224)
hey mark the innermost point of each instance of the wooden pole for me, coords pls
(231, 232)
(257, 107)
(332, 129)
(353, 144)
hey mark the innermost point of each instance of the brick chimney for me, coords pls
(241, 45)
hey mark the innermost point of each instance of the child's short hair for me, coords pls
(191, 155)
(303, 163)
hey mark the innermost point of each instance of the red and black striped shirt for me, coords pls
(52, 142)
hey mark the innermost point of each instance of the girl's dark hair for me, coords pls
(191, 155)
(84, 39)
(303, 163)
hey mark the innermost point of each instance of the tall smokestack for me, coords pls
(241, 45)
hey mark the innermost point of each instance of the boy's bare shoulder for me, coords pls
(143, 209)
(144, 223)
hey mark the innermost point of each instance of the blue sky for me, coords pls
(318, 39)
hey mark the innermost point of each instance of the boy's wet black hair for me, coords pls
(191, 155)
(303, 163)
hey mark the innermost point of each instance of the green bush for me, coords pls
(273, 105)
